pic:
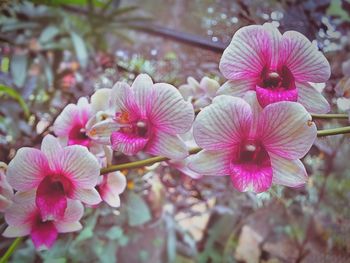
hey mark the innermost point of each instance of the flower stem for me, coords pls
(335, 131)
(141, 163)
(11, 249)
(330, 116)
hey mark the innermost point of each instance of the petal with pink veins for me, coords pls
(170, 146)
(110, 189)
(143, 91)
(66, 227)
(78, 165)
(126, 143)
(247, 54)
(51, 146)
(27, 169)
(169, 113)
(17, 231)
(311, 99)
(22, 209)
(223, 124)
(68, 118)
(123, 96)
(74, 211)
(87, 196)
(101, 131)
(214, 163)
(290, 173)
(303, 58)
(237, 88)
(286, 129)
(247, 177)
(276, 37)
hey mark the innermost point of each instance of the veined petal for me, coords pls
(171, 146)
(246, 177)
(237, 88)
(124, 99)
(22, 208)
(87, 196)
(78, 165)
(311, 99)
(66, 227)
(17, 231)
(214, 163)
(126, 143)
(290, 173)
(101, 131)
(285, 129)
(74, 211)
(68, 119)
(27, 169)
(50, 146)
(223, 124)
(143, 91)
(275, 37)
(248, 53)
(170, 113)
(303, 58)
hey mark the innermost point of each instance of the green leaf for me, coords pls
(114, 233)
(48, 34)
(18, 67)
(15, 95)
(138, 211)
(80, 49)
(5, 62)
(69, 2)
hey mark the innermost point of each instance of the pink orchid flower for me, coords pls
(24, 218)
(57, 173)
(6, 191)
(278, 67)
(110, 187)
(151, 117)
(70, 124)
(255, 147)
(199, 93)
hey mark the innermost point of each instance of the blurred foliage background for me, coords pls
(54, 51)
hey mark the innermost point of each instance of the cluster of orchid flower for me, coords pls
(254, 128)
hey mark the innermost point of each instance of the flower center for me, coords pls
(277, 79)
(77, 135)
(138, 127)
(252, 152)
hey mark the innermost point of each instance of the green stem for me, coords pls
(334, 131)
(330, 116)
(11, 249)
(141, 163)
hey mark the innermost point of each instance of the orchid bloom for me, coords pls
(57, 173)
(255, 147)
(6, 191)
(200, 94)
(24, 218)
(110, 187)
(278, 67)
(151, 118)
(70, 124)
